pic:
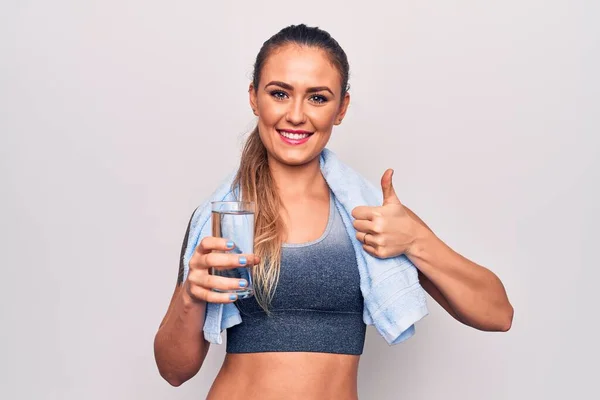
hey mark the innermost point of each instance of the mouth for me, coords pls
(294, 137)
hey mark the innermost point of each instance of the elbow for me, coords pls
(500, 321)
(176, 378)
(171, 369)
(505, 322)
(173, 379)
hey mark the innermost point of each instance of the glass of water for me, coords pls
(234, 220)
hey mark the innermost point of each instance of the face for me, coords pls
(298, 101)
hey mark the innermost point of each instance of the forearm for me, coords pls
(179, 345)
(475, 293)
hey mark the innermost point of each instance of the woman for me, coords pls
(299, 92)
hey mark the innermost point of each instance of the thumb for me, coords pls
(389, 194)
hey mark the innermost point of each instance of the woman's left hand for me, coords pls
(387, 230)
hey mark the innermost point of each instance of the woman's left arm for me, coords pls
(469, 292)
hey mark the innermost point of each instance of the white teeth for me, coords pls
(295, 136)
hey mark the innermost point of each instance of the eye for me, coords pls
(319, 99)
(278, 94)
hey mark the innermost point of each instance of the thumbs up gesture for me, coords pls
(387, 230)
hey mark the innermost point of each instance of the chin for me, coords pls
(301, 158)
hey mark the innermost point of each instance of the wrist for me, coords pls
(423, 239)
(189, 303)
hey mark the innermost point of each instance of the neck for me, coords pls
(297, 180)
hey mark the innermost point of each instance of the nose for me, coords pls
(295, 114)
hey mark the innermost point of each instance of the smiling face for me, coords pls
(298, 101)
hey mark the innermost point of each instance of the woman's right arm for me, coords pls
(179, 344)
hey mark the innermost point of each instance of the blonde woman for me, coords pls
(304, 268)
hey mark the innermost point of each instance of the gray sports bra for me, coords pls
(317, 305)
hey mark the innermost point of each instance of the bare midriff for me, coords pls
(289, 376)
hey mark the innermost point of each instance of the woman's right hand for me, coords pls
(200, 282)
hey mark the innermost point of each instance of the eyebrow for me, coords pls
(291, 88)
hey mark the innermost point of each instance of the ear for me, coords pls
(343, 109)
(253, 99)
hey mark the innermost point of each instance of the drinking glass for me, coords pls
(234, 220)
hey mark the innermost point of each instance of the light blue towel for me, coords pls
(393, 298)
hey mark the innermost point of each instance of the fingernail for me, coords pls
(243, 260)
(243, 283)
(230, 244)
(232, 297)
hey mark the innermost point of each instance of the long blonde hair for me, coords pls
(256, 184)
(254, 177)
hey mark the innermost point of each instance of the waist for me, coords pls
(298, 330)
(290, 376)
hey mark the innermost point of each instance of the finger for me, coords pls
(367, 239)
(226, 260)
(363, 225)
(210, 296)
(372, 250)
(387, 187)
(210, 243)
(364, 212)
(210, 282)
(222, 261)
(360, 236)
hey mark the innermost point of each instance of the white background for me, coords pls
(117, 118)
